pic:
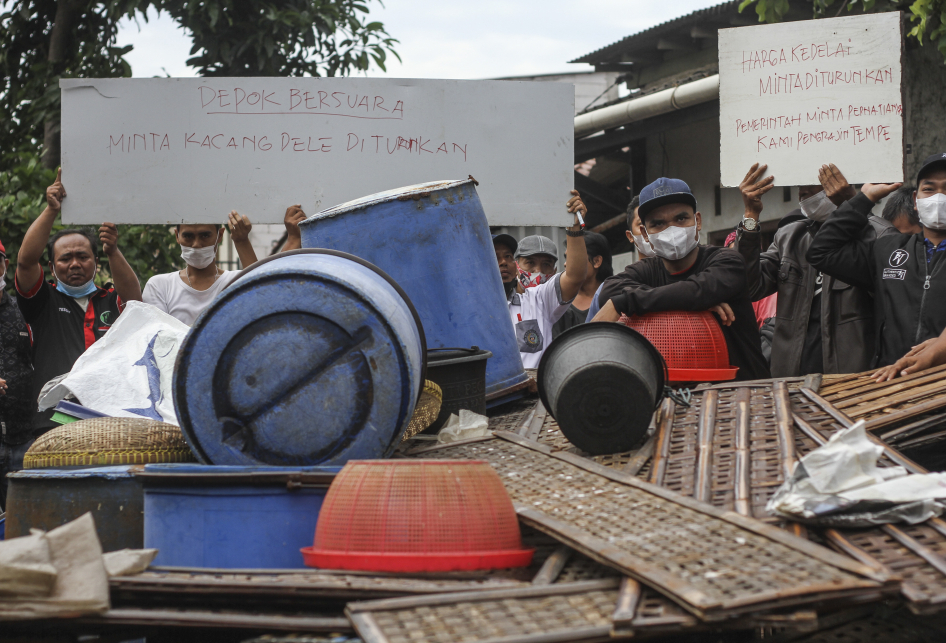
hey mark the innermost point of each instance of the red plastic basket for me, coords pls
(417, 515)
(691, 343)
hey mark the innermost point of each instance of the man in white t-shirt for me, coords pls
(186, 293)
(534, 310)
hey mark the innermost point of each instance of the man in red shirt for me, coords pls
(70, 312)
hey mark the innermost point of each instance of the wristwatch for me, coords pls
(749, 224)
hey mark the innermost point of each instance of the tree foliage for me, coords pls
(150, 249)
(928, 16)
(42, 41)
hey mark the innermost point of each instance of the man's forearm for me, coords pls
(575, 267)
(761, 274)
(123, 276)
(292, 243)
(245, 252)
(36, 238)
(838, 250)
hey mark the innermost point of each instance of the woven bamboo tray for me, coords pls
(917, 553)
(542, 428)
(715, 564)
(426, 411)
(108, 441)
(545, 614)
(306, 585)
(891, 405)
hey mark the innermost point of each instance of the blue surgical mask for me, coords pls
(76, 292)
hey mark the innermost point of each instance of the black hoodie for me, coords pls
(717, 276)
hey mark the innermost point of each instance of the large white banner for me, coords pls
(173, 150)
(797, 95)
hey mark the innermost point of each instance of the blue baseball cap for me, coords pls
(664, 191)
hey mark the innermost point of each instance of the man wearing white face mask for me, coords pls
(905, 272)
(186, 293)
(686, 276)
(822, 324)
(70, 313)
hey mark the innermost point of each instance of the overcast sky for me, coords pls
(457, 39)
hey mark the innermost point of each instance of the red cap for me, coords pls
(3, 250)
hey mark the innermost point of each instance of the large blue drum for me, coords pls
(309, 358)
(434, 240)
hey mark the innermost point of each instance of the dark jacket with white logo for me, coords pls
(909, 293)
(847, 312)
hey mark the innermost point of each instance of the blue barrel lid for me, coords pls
(304, 360)
(398, 194)
(114, 472)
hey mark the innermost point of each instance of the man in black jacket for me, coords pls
(905, 271)
(822, 324)
(686, 276)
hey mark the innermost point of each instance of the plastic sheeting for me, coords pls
(840, 484)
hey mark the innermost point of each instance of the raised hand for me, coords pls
(239, 227)
(575, 204)
(836, 187)
(294, 216)
(55, 193)
(877, 191)
(108, 235)
(752, 189)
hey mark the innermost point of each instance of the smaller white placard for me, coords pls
(798, 95)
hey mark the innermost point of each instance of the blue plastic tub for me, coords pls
(232, 517)
(434, 240)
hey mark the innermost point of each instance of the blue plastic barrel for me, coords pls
(306, 359)
(434, 240)
(232, 517)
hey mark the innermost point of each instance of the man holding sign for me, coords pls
(822, 324)
(904, 271)
(184, 294)
(69, 313)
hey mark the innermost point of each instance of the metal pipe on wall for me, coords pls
(667, 100)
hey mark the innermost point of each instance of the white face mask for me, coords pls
(817, 207)
(200, 257)
(643, 248)
(3, 275)
(932, 211)
(674, 243)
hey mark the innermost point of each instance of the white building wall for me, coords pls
(691, 153)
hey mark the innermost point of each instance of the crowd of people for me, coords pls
(49, 324)
(839, 290)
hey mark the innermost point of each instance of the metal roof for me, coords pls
(647, 39)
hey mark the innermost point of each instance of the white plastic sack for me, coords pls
(127, 373)
(467, 425)
(840, 484)
(72, 554)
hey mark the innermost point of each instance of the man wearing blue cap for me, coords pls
(686, 276)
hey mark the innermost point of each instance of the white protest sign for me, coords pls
(173, 150)
(798, 95)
